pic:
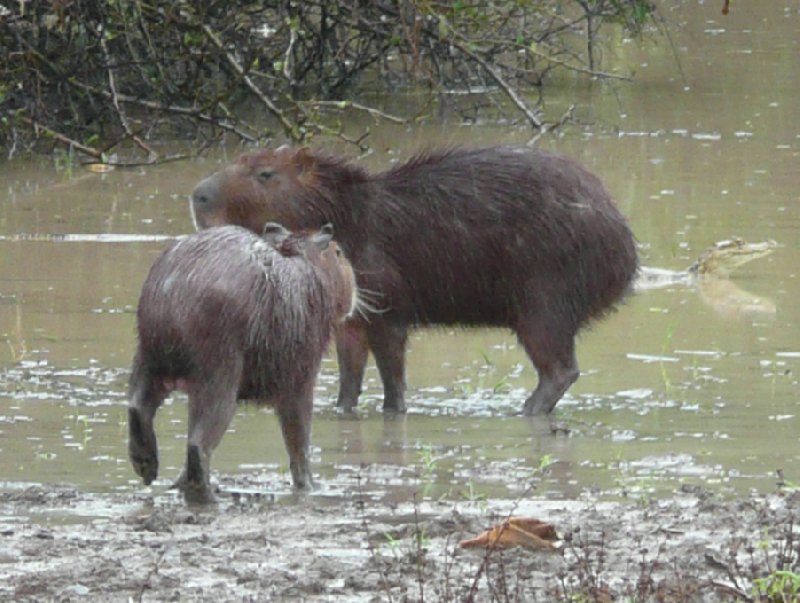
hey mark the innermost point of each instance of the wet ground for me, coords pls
(693, 546)
(670, 469)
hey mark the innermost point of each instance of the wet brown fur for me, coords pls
(225, 315)
(499, 236)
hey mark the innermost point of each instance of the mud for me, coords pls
(693, 546)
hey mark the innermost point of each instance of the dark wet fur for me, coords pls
(500, 236)
(225, 316)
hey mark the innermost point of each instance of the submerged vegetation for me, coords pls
(95, 75)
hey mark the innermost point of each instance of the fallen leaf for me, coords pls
(526, 532)
(99, 168)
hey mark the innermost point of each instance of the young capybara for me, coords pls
(500, 236)
(226, 315)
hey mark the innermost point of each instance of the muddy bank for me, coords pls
(694, 546)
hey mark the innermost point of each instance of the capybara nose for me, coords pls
(204, 199)
(206, 193)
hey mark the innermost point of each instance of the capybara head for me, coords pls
(326, 256)
(293, 186)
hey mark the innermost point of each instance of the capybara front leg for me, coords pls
(388, 344)
(144, 399)
(210, 414)
(554, 359)
(351, 350)
(295, 419)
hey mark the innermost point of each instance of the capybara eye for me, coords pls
(338, 252)
(265, 174)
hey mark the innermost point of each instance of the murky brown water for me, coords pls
(682, 385)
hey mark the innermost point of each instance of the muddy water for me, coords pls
(684, 385)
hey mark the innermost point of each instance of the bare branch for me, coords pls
(62, 138)
(510, 92)
(288, 126)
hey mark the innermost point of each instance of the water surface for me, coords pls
(684, 385)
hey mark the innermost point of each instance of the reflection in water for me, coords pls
(731, 301)
(90, 238)
(724, 296)
(710, 274)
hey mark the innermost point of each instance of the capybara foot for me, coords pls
(193, 482)
(142, 447)
(199, 494)
(534, 408)
(394, 407)
(301, 479)
(347, 405)
(305, 485)
(549, 392)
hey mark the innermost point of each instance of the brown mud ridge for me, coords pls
(694, 546)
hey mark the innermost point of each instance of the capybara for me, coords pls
(504, 236)
(226, 315)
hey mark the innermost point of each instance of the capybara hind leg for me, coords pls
(145, 398)
(556, 366)
(295, 419)
(351, 350)
(210, 414)
(142, 444)
(388, 344)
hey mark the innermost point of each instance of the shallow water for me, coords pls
(684, 385)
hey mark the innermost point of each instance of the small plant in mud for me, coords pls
(16, 340)
(472, 494)
(781, 584)
(632, 486)
(664, 347)
(785, 484)
(489, 382)
(427, 462)
(779, 587)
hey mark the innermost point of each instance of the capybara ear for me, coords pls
(275, 234)
(324, 236)
(304, 158)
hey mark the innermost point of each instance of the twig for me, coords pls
(150, 574)
(288, 127)
(176, 109)
(420, 551)
(346, 104)
(325, 130)
(730, 589)
(495, 74)
(565, 117)
(158, 159)
(122, 117)
(62, 138)
(361, 504)
(578, 68)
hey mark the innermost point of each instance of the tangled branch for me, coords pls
(113, 77)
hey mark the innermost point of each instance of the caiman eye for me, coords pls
(265, 174)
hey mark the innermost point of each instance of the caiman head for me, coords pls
(724, 257)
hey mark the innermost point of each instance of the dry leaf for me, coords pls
(526, 532)
(99, 168)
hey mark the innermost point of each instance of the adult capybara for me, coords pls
(226, 315)
(500, 236)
